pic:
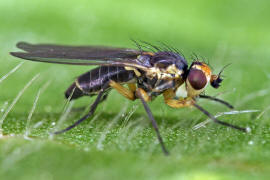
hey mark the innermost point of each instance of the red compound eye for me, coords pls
(197, 79)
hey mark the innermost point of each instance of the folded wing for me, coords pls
(79, 55)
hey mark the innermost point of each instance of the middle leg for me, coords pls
(141, 94)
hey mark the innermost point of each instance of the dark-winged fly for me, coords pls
(147, 74)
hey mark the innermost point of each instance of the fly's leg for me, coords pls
(132, 87)
(217, 100)
(140, 93)
(218, 121)
(91, 112)
(127, 93)
(174, 103)
(104, 97)
(168, 97)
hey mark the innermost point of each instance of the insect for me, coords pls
(147, 74)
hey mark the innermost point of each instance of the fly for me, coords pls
(147, 74)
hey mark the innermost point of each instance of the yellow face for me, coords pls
(198, 78)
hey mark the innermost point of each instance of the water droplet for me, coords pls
(250, 142)
(248, 129)
(53, 123)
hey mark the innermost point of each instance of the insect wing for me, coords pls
(79, 55)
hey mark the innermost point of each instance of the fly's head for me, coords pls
(197, 78)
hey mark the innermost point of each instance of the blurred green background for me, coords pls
(119, 143)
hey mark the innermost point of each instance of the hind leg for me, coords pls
(104, 97)
(127, 93)
(90, 113)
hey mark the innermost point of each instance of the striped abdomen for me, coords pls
(91, 82)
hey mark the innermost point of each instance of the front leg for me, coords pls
(174, 103)
(177, 103)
